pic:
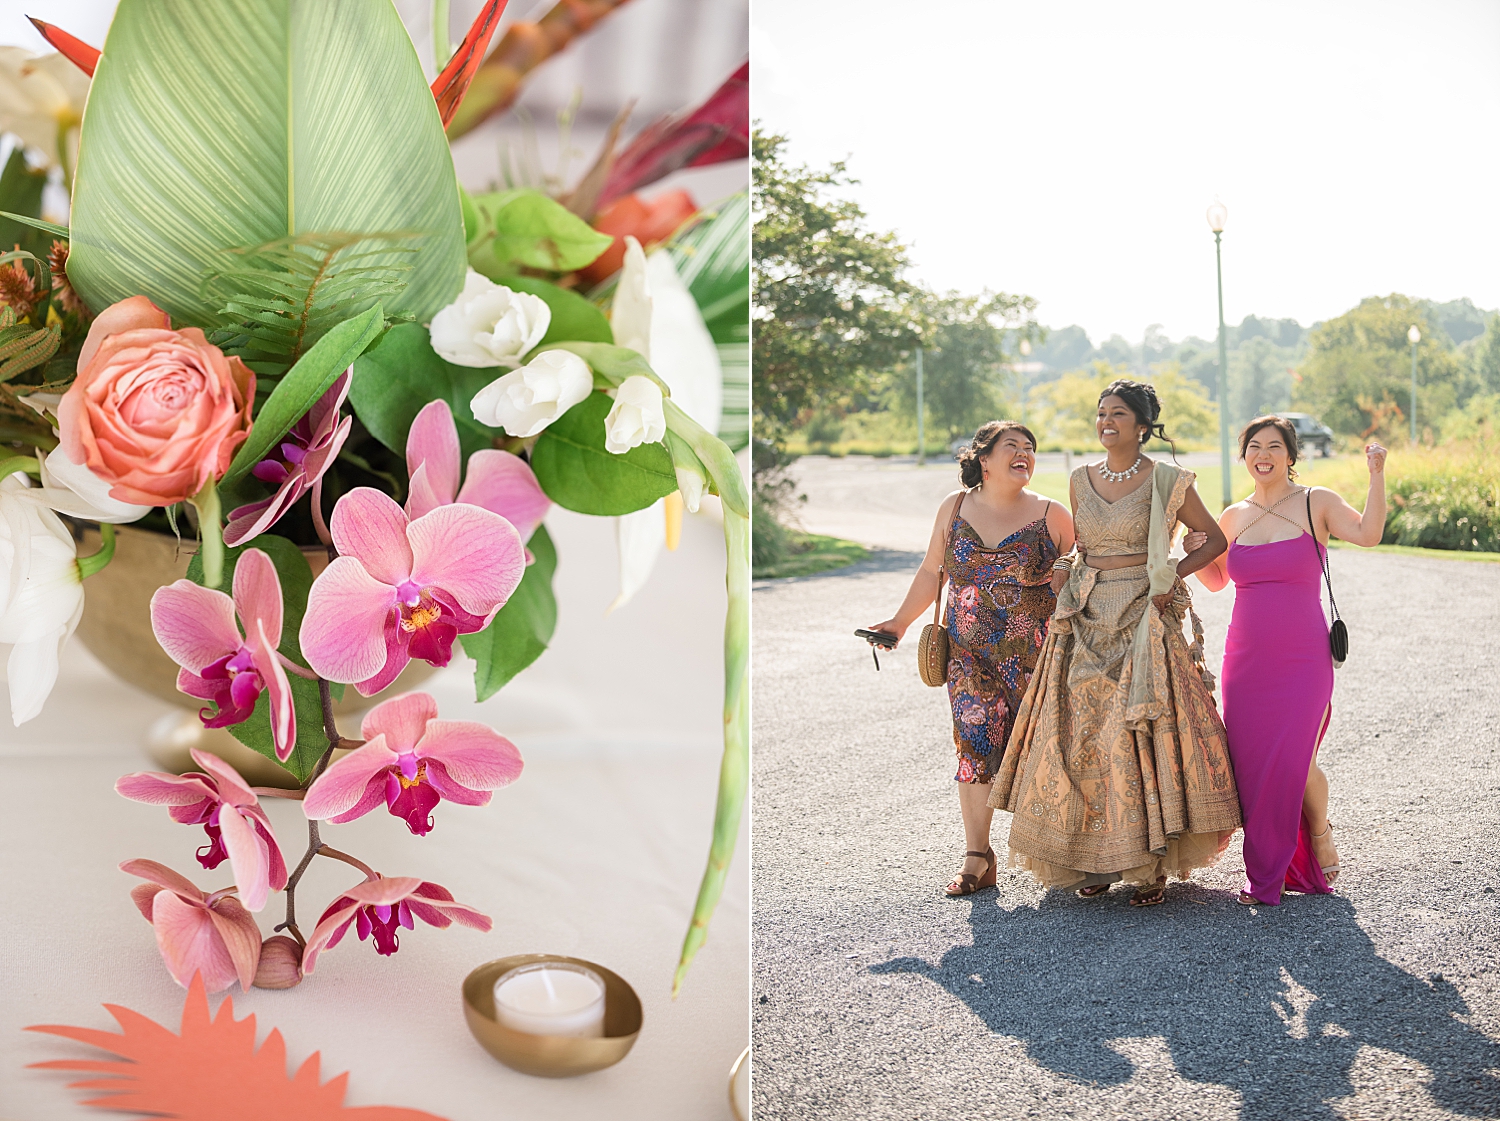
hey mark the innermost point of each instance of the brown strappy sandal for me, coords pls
(1093, 892)
(967, 883)
(1150, 896)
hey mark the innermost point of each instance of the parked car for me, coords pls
(1312, 433)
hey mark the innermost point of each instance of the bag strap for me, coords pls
(937, 604)
(1327, 578)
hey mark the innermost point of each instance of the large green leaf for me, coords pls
(216, 128)
(713, 259)
(526, 229)
(521, 631)
(578, 473)
(296, 579)
(400, 374)
(304, 383)
(21, 193)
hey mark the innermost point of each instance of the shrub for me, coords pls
(1447, 502)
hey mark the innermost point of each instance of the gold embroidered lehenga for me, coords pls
(1118, 767)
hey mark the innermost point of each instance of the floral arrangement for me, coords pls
(275, 321)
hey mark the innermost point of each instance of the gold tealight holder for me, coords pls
(552, 1056)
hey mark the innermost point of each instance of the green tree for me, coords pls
(966, 374)
(1357, 374)
(1486, 357)
(1260, 380)
(828, 312)
(1067, 406)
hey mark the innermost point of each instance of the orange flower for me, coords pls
(650, 223)
(155, 413)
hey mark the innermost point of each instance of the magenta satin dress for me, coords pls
(1278, 681)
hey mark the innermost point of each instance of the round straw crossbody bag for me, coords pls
(932, 647)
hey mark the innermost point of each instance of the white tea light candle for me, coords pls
(551, 998)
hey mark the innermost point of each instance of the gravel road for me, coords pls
(876, 997)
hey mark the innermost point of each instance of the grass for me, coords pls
(1414, 551)
(807, 553)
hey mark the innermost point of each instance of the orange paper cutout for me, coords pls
(211, 1072)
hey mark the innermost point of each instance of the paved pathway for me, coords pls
(875, 997)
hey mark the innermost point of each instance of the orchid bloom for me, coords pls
(211, 934)
(196, 627)
(655, 315)
(405, 588)
(238, 829)
(412, 761)
(497, 481)
(298, 464)
(41, 594)
(381, 905)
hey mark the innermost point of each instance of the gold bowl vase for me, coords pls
(116, 628)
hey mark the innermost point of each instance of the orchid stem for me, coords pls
(300, 671)
(326, 850)
(314, 843)
(278, 792)
(210, 534)
(319, 525)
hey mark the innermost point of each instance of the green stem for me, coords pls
(734, 771)
(210, 534)
(716, 457)
(442, 47)
(62, 156)
(89, 565)
(12, 464)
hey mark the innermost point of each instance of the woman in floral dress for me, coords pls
(999, 600)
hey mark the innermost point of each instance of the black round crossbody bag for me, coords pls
(1338, 634)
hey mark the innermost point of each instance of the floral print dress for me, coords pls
(999, 603)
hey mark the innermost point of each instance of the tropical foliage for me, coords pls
(265, 220)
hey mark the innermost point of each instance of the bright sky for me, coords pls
(1069, 150)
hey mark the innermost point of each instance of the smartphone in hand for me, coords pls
(883, 639)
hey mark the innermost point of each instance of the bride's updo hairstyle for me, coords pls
(1143, 402)
(1288, 433)
(971, 471)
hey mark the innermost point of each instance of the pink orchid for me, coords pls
(379, 906)
(412, 761)
(238, 829)
(298, 464)
(405, 588)
(497, 481)
(196, 627)
(209, 934)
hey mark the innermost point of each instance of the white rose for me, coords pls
(525, 401)
(41, 595)
(637, 417)
(489, 325)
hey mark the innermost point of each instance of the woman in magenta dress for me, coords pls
(1278, 669)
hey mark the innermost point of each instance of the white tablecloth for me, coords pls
(595, 852)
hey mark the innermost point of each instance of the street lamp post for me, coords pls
(1218, 214)
(1414, 337)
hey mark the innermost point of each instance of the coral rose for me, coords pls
(155, 413)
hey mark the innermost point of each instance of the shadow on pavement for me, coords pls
(1275, 1006)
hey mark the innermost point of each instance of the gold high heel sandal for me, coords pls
(1331, 873)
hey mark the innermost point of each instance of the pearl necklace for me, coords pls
(1119, 476)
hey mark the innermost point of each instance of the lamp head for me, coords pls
(1217, 215)
(1414, 336)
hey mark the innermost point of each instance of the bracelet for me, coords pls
(1062, 564)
